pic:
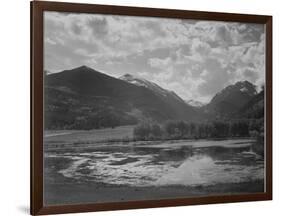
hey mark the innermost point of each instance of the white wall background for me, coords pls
(14, 107)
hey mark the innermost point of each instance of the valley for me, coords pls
(112, 139)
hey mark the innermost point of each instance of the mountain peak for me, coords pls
(245, 82)
(232, 97)
(195, 103)
(246, 87)
(84, 68)
(84, 71)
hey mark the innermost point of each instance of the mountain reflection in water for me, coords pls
(182, 163)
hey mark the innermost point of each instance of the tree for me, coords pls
(156, 131)
(142, 131)
(170, 128)
(182, 128)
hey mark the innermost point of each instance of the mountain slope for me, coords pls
(253, 109)
(85, 98)
(169, 97)
(231, 99)
(159, 91)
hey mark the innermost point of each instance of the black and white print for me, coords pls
(142, 108)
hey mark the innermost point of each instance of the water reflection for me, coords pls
(202, 163)
(204, 170)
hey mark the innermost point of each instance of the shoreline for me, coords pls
(54, 146)
(77, 193)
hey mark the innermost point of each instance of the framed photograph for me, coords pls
(139, 107)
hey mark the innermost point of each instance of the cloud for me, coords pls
(98, 27)
(251, 74)
(76, 28)
(223, 35)
(153, 27)
(215, 77)
(200, 49)
(159, 63)
(196, 59)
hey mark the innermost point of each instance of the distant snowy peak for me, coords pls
(135, 80)
(195, 103)
(145, 83)
(150, 85)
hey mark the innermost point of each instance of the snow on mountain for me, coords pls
(195, 103)
(246, 87)
(230, 99)
(150, 85)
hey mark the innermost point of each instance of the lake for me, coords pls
(182, 168)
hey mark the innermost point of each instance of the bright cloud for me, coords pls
(195, 59)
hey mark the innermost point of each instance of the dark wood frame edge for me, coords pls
(268, 109)
(36, 113)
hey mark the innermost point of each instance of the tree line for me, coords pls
(199, 130)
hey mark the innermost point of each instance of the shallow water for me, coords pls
(188, 163)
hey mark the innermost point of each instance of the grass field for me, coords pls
(87, 137)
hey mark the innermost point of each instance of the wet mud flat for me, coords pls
(116, 173)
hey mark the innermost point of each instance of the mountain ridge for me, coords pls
(85, 95)
(150, 85)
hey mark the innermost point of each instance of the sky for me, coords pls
(195, 59)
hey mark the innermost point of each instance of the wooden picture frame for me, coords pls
(37, 105)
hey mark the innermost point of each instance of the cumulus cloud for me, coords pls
(196, 59)
(215, 77)
(251, 74)
(98, 27)
(76, 28)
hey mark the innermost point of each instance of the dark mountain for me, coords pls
(83, 98)
(231, 99)
(254, 109)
